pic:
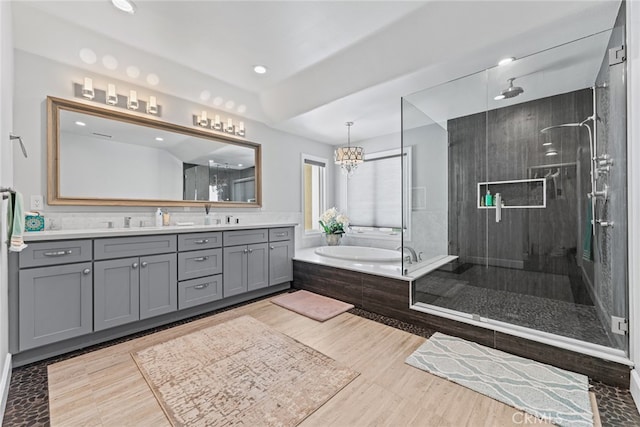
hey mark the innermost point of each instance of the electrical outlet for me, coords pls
(37, 202)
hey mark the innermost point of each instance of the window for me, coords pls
(313, 193)
(375, 191)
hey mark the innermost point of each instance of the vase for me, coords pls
(333, 239)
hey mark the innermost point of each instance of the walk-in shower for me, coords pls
(528, 195)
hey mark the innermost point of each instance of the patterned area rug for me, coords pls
(547, 392)
(240, 372)
(314, 306)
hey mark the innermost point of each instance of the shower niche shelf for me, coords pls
(516, 194)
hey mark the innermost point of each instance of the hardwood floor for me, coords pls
(105, 387)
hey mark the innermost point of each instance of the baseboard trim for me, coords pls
(634, 387)
(5, 382)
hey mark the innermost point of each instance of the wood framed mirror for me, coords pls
(102, 156)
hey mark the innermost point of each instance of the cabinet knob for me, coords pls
(272, 247)
(245, 251)
(203, 286)
(202, 241)
(202, 258)
(134, 265)
(86, 271)
(250, 250)
(144, 264)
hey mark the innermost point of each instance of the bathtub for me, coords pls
(380, 262)
(359, 253)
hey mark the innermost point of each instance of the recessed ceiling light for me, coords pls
(79, 123)
(505, 61)
(260, 69)
(125, 5)
(159, 138)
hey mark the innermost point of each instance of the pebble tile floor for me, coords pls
(28, 400)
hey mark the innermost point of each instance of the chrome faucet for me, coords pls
(414, 255)
(127, 222)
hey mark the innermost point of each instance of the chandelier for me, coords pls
(349, 157)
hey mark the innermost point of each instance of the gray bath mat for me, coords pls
(547, 392)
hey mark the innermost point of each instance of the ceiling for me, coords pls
(328, 61)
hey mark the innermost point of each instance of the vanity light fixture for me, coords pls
(240, 129)
(349, 157)
(112, 96)
(551, 153)
(546, 143)
(202, 120)
(152, 105)
(87, 88)
(217, 124)
(124, 5)
(229, 128)
(132, 103)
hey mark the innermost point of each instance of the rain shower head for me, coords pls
(564, 125)
(510, 92)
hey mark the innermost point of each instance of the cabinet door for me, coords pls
(257, 266)
(234, 280)
(117, 292)
(55, 304)
(158, 285)
(280, 262)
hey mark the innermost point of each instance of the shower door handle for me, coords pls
(498, 200)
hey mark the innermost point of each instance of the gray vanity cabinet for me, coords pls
(246, 266)
(280, 262)
(116, 292)
(130, 289)
(54, 304)
(281, 250)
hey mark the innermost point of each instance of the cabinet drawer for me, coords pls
(49, 253)
(122, 247)
(197, 241)
(279, 234)
(196, 264)
(199, 291)
(245, 237)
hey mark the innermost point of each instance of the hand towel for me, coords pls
(15, 222)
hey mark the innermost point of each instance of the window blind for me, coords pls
(374, 193)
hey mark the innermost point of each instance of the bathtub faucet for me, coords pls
(414, 255)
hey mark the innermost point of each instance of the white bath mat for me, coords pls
(544, 391)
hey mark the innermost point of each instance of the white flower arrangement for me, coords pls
(333, 222)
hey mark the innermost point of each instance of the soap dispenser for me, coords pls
(158, 217)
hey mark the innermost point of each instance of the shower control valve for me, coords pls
(605, 162)
(604, 224)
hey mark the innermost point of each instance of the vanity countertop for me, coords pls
(37, 236)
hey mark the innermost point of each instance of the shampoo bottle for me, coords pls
(159, 218)
(488, 199)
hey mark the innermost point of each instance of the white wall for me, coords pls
(633, 111)
(117, 169)
(6, 179)
(37, 77)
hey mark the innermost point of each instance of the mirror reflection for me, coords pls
(102, 158)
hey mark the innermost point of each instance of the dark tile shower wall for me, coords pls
(506, 144)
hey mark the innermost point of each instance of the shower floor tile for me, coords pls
(555, 316)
